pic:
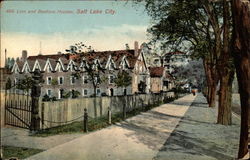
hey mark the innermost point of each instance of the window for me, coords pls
(111, 66)
(97, 80)
(60, 80)
(111, 79)
(49, 79)
(85, 92)
(85, 79)
(15, 81)
(98, 91)
(72, 80)
(60, 93)
(49, 92)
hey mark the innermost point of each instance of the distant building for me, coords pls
(160, 80)
(59, 72)
(174, 59)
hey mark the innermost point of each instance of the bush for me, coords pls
(46, 98)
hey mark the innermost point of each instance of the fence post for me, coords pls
(124, 111)
(109, 114)
(35, 94)
(85, 120)
(42, 116)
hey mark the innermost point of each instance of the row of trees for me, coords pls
(217, 31)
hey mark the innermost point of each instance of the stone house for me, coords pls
(160, 80)
(60, 70)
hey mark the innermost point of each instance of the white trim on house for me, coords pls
(15, 68)
(47, 63)
(111, 75)
(109, 62)
(83, 64)
(83, 79)
(51, 93)
(144, 60)
(71, 80)
(59, 80)
(36, 66)
(83, 92)
(26, 67)
(59, 64)
(71, 65)
(48, 80)
(124, 62)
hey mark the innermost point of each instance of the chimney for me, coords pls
(24, 55)
(136, 45)
(59, 53)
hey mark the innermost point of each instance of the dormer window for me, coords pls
(111, 66)
(16, 70)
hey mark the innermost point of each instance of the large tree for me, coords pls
(241, 50)
(199, 25)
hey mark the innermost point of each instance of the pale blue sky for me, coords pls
(56, 32)
(126, 13)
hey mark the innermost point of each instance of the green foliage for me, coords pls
(71, 94)
(123, 79)
(19, 152)
(75, 93)
(54, 82)
(182, 25)
(25, 84)
(46, 98)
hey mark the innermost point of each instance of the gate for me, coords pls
(17, 109)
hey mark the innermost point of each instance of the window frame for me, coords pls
(59, 80)
(50, 95)
(48, 80)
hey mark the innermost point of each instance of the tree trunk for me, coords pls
(212, 81)
(241, 46)
(226, 72)
(225, 98)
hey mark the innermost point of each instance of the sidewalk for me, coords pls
(169, 132)
(198, 137)
(139, 137)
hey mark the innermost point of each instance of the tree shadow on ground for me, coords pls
(186, 141)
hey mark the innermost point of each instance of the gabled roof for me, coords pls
(45, 57)
(156, 71)
(103, 58)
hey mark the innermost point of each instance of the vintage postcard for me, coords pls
(124, 80)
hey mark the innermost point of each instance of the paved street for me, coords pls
(20, 138)
(171, 131)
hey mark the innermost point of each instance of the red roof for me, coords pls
(156, 71)
(45, 57)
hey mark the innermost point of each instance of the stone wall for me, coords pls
(56, 113)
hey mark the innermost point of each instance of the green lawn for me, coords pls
(18, 152)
